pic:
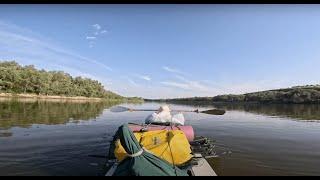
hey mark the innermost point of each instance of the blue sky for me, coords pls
(157, 51)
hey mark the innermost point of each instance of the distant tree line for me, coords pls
(15, 78)
(303, 112)
(295, 95)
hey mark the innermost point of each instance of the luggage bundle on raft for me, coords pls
(159, 150)
(162, 147)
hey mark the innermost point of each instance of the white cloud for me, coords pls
(132, 82)
(187, 84)
(91, 44)
(181, 78)
(91, 37)
(192, 85)
(147, 78)
(211, 88)
(183, 87)
(96, 32)
(96, 26)
(172, 70)
(176, 84)
(198, 86)
(103, 31)
(144, 77)
(26, 47)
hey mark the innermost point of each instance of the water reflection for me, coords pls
(5, 133)
(260, 145)
(305, 112)
(19, 113)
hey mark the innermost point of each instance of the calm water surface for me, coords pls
(54, 138)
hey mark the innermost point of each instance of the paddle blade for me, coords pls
(119, 109)
(214, 112)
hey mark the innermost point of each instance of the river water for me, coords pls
(60, 138)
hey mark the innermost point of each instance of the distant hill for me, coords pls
(15, 78)
(295, 95)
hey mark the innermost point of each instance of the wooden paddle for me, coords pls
(210, 111)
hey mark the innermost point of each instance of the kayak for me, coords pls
(142, 160)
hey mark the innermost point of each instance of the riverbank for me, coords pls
(309, 94)
(77, 99)
(44, 97)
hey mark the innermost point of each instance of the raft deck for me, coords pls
(203, 168)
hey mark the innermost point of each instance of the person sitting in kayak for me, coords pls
(163, 116)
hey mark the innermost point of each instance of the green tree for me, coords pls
(27, 79)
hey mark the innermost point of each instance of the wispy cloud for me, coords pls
(181, 78)
(147, 78)
(191, 85)
(177, 85)
(132, 82)
(27, 47)
(91, 37)
(94, 33)
(185, 83)
(172, 70)
(144, 77)
(96, 26)
(213, 88)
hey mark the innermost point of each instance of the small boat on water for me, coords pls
(143, 159)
